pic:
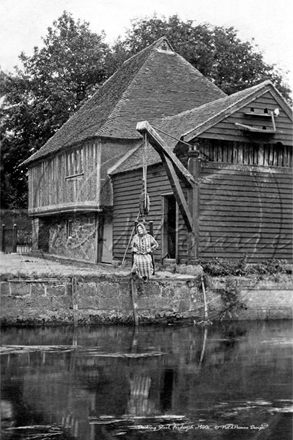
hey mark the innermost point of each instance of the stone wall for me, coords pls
(98, 299)
(107, 299)
(74, 237)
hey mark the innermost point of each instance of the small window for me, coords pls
(74, 162)
(266, 111)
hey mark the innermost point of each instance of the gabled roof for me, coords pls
(191, 123)
(156, 82)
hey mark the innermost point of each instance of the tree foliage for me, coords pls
(217, 52)
(74, 62)
(53, 83)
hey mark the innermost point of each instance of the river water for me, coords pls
(224, 381)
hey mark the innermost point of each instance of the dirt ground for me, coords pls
(28, 266)
(48, 266)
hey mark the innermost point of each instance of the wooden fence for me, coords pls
(15, 240)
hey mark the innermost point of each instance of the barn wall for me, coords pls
(112, 152)
(53, 187)
(247, 153)
(127, 188)
(226, 129)
(245, 210)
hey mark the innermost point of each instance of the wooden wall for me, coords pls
(245, 210)
(52, 187)
(247, 153)
(226, 129)
(127, 188)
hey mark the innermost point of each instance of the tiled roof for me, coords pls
(152, 84)
(194, 121)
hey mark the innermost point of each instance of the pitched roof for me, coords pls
(189, 124)
(156, 82)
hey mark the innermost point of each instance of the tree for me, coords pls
(217, 52)
(74, 62)
(52, 84)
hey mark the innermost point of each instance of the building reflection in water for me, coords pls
(119, 374)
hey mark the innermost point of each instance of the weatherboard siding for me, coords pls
(127, 188)
(245, 211)
(53, 189)
(226, 128)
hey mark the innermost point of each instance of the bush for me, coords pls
(230, 296)
(224, 267)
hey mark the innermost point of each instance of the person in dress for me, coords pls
(143, 245)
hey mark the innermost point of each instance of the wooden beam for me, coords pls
(162, 148)
(255, 129)
(178, 193)
(174, 168)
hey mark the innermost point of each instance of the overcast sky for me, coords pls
(269, 22)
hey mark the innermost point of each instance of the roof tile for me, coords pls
(153, 83)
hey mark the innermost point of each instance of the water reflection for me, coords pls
(225, 382)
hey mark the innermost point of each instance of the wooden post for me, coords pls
(204, 299)
(193, 205)
(14, 241)
(3, 238)
(74, 301)
(134, 300)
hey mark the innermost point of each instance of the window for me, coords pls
(74, 162)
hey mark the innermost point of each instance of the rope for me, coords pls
(144, 202)
(173, 137)
(179, 140)
(145, 170)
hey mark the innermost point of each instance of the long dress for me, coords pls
(142, 247)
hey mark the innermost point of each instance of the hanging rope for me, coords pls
(144, 201)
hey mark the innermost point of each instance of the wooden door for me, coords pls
(107, 245)
(169, 230)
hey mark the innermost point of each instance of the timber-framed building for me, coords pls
(219, 168)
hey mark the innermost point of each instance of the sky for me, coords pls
(23, 23)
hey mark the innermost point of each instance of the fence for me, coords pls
(15, 240)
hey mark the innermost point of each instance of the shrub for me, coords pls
(225, 267)
(230, 296)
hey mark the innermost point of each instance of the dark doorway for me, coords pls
(169, 227)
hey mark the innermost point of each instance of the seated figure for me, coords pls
(143, 245)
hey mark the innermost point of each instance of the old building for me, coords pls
(217, 168)
(238, 149)
(70, 194)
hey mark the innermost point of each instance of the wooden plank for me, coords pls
(253, 257)
(253, 191)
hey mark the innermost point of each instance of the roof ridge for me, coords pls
(150, 49)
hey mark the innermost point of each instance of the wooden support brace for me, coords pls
(162, 148)
(174, 168)
(178, 193)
